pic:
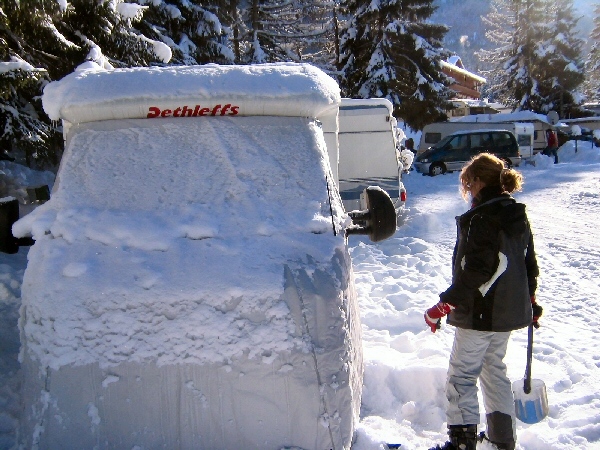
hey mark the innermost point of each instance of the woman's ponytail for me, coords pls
(511, 180)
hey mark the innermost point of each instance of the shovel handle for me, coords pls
(527, 382)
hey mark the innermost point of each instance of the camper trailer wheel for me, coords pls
(437, 169)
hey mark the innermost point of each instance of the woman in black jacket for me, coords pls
(494, 280)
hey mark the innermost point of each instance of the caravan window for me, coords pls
(524, 139)
(432, 138)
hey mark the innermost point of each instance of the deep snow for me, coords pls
(405, 364)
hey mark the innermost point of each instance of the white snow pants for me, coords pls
(478, 355)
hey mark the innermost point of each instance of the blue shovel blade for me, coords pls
(533, 407)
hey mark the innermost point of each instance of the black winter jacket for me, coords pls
(494, 267)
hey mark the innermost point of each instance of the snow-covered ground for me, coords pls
(405, 364)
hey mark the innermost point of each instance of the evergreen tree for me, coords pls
(320, 30)
(275, 30)
(197, 32)
(28, 137)
(105, 30)
(536, 62)
(500, 23)
(30, 34)
(527, 56)
(562, 71)
(54, 38)
(29, 46)
(388, 49)
(592, 63)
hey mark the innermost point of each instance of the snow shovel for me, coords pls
(531, 401)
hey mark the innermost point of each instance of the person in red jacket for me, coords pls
(552, 149)
(494, 279)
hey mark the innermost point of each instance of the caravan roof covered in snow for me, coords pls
(282, 89)
(519, 116)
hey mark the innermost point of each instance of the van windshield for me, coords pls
(442, 143)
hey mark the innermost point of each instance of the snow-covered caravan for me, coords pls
(368, 151)
(589, 123)
(190, 284)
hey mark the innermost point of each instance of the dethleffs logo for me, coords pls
(186, 111)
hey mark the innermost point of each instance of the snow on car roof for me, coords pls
(279, 89)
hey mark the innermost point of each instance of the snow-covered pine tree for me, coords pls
(30, 34)
(27, 136)
(194, 30)
(592, 62)
(31, 51)
(500, 23)
(275, 30)
(320, 29)
(388, 49)
(536, 64)
(105, 30)
(561, 71)
(527, 62)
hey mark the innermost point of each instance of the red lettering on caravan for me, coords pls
(185, 111)
(153, 112)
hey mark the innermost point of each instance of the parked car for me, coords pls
(530, 135)
(453, 151)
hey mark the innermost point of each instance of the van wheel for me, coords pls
(507, 163)
(437, 169)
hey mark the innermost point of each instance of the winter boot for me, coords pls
(497, 445)
(462, 437)
(500, 430)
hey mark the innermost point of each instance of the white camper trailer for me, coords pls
(435, 132)
(367, 151)
(190, 284)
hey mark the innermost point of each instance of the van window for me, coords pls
(459, 142)
(432, 138)
(502, 139)
(481, 140)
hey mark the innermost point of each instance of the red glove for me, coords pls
(537, 312)
(433, 316)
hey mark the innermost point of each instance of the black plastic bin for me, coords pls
(9, 214)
